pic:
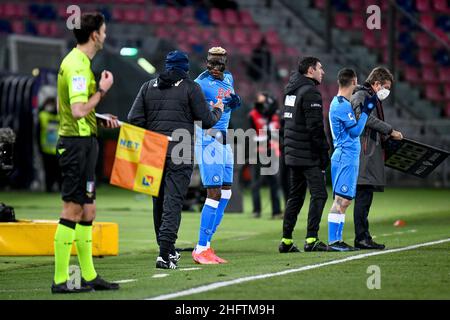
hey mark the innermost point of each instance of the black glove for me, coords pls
(369, 104)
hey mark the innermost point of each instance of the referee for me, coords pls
(77, 152)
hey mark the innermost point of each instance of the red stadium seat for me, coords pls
(432, 92)
(292, 52)
(423, 6)
(247, 19)
(240, 36)
(370, 40)
(187, 16)
(441, 6)
(18, 27)
(320, 4)
(272, 38)
(355, 5)
(425, 57)
(173, 15)
(447, 110)
(342, 21)
(162, 32)
(447, 91)
(255, 37)
(444, 74)
(225, 36)
(358, 22)
(231, 17)
(427, 21)
(216, 16)
(118, 14)
(412, 75)
(423, 40)
(157, 16)
(430, 75)
(245, 49)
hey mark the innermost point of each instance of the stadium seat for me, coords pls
(272, 38)
(425, 57)
(18, 27)
(231, 17)
(355, 5)
(342, 21)
(444, 74)
(255, 37)
(433, 92)
(157, 16)
(423, 6)
(447, 91)
(245, 49)
(118, 14)
(423, 40)
(216, 16)
(370, 40)
(246, 19)
(447, 110)
(430, 75)
(412, 74)
(441, 6)
(427, 21)
(187, 16)
(225, 36)
(240, 36)
(320, 4)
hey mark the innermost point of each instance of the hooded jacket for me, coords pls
(171, 102)
(305, 143)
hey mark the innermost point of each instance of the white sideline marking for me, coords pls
(396, 233)
(221, 284)
(189, 269)
(160, 275)
(125, 281)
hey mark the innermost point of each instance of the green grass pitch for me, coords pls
(250, 245)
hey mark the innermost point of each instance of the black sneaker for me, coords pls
(342, 246)
(63, 288)
(317, 246)
(369, 244)
(162, 264)
(256, 214)
(99, 284)
(286, 248)
(175, 257)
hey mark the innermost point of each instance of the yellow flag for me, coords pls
(140, 159)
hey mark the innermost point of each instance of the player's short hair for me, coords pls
(306, 62)
(90, 22)
(217, 51)
(345, 77)
(380, 74)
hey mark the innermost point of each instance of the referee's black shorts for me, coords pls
(77, 157)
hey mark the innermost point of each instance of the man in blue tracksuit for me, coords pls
(213, 154)
(345, 129)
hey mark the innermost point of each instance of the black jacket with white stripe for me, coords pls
(304, 137)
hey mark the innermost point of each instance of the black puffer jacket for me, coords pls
(170, 102)
(305, 143)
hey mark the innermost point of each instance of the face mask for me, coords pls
(383, 94)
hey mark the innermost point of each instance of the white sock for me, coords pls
(200, 249)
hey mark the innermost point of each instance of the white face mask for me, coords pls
(383, 94)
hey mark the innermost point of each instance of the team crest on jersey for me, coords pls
(216, 178)
(344, 188)
(350, 116)
(78, 84)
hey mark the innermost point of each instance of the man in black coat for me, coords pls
(306, 153)
(170, 102)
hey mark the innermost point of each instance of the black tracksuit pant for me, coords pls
(257, 181)
(300, 178)
(363, 201)
(168, 205)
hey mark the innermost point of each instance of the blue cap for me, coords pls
(177, 60)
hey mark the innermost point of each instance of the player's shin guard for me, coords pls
(64, 235)
(207, 222)
(225, 197)
(83, 240)
(334, 220)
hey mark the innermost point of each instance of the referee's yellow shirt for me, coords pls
(76, 83)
